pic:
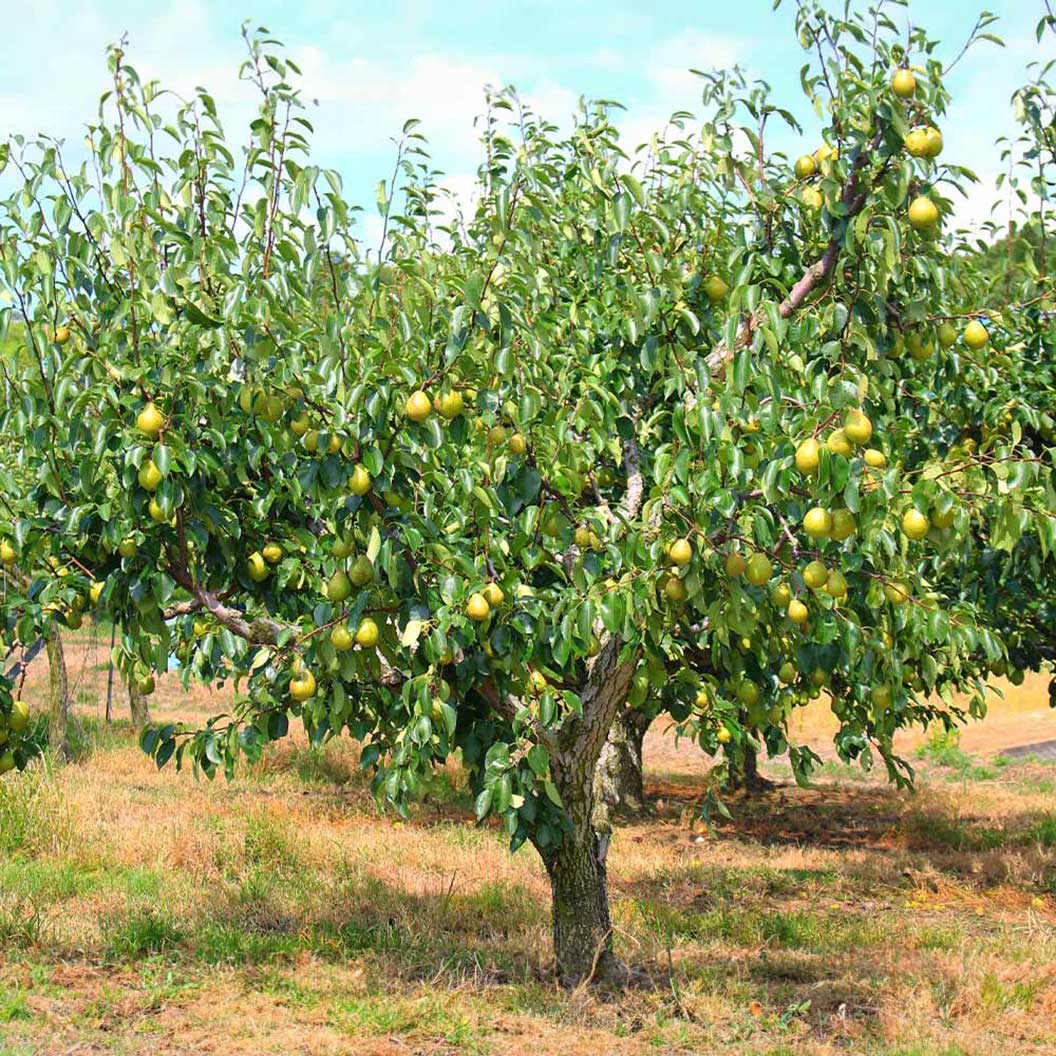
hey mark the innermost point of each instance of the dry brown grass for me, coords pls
(144, 912)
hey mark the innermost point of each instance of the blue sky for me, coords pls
(371, 65)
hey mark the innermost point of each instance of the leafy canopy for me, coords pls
(618, 349)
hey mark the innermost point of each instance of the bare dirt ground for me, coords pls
(1018, 718)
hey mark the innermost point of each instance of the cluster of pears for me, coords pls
(923, 141)
(480, 604)
(259, 563)
(302, 681)
(340, 585)
(808, 166)
(450, 405)
(257, 402)
(303, 429)
(916, 525)
(920, 342)
(359, 481)
(856, 431)
(13, 727)
(151, 423)
(756, 567)
(366, 635)
(679, 554)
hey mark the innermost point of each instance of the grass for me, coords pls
(144, 912)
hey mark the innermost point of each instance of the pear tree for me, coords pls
(476, 489)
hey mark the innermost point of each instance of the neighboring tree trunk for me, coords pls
(743, 771)
(618, 779)
(578, 882)
(58, 696)
(138, 705)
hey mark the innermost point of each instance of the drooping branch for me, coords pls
(257, 630)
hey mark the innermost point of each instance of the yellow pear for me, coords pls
(897, 592)
(858, 428)
(359, 482)
(150, 421)
(675, 589)
(811, 198)
(903, 83)
(681, 552)
(934, 141)
(367, 633)
(815, 575)
(923, 214)
(758, 570)
(149, 476)
(838, 443)
(302, 685)
(418, 407)
(477, 607)
(808, 455)
(975, 335)
(257, 567)
(916, 142)
(715, 289)
(341, 638)
(818, 523)
(735, 564)
(843, 525)
(450, 405)
(915, 524)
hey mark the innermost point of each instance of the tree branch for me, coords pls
(854, 199)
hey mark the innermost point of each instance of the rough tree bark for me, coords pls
(138, 706)
(582, 925)
(618, 779)
(58, 696)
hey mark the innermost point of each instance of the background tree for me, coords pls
(523, 458)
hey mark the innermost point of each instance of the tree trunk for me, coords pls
(138, 706)
(618, 779)
(743, 771)
(582, 926)
(58, 696)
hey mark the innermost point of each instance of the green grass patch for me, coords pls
(223, 943)
(748, 927)
(1043, 831)
(13, 1007)
(1004, 996)
(382, 1015)
(139, 932)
